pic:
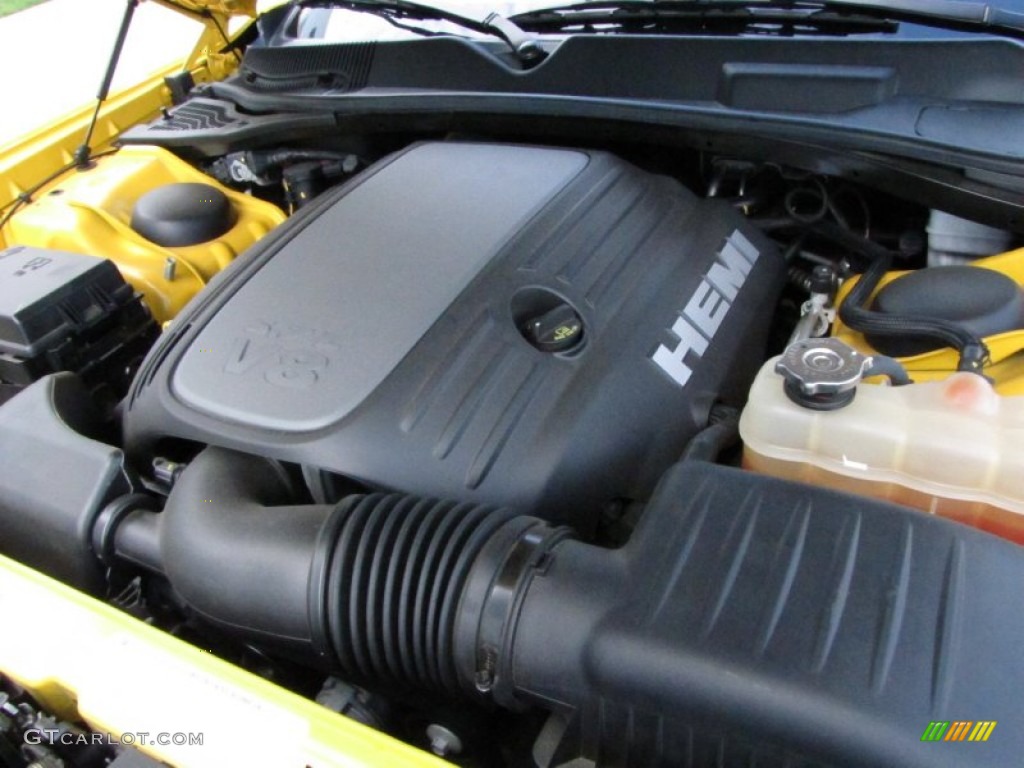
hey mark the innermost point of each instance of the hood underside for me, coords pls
(222, 7)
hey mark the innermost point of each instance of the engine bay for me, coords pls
(531, 452)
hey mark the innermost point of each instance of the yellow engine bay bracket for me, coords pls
(85, 660)
(1006, 349)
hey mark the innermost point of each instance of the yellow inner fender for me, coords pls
(90, 211)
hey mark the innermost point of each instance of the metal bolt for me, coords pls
(484, 677)
(442, 741)
(484, 680)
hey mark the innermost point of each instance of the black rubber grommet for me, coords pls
(832, 402)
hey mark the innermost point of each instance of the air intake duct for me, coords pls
(748, 620)
(747, 617)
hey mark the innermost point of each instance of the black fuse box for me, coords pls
(68, 312)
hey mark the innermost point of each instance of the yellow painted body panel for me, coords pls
(26, 161)
(90, 211)
(81, 657)
(1007, 349)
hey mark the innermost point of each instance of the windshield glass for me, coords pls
(341, 25)
(338, 25)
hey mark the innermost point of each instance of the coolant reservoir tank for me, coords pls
(954, 447)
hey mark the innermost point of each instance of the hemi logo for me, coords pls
(959, 730)
(704, 312)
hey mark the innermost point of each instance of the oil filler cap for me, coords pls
(822, 374)
(557, 330)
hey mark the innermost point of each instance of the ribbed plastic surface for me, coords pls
(394, 582)
(197, 115)
(340, 67)
(753, 621)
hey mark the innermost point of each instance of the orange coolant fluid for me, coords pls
(954, 447)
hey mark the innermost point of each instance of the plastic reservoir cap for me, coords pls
(177, 215)
(982, 300)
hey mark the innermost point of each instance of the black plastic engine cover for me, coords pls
(539, 328)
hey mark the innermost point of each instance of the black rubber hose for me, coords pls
(394, 575)
(722, 432)
(369, 588)
(854, 312)
(882, 365)
(262, 161)
(856, 315)
(234, 551)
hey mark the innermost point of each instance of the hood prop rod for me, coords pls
(83, 152)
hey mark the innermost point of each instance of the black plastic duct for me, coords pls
(746, 616)
(54, 480)
(748, 621)
(752, 621)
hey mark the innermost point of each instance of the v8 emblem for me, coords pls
(285, 356)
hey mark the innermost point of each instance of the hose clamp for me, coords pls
(528, 555)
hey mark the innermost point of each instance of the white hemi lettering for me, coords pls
(700, 319)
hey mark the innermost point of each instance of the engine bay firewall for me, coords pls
(532, 327)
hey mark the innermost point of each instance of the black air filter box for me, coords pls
(539, 328)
